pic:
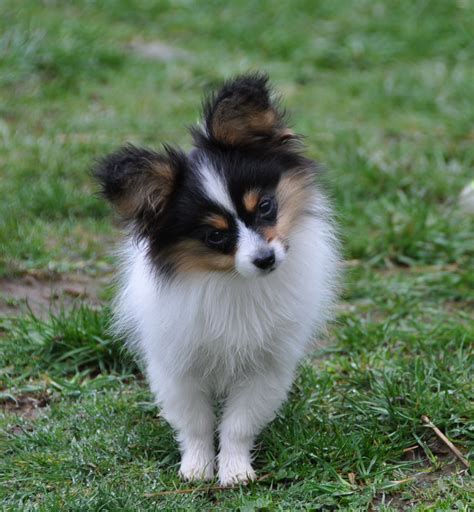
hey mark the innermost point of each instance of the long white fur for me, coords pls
(208, 335)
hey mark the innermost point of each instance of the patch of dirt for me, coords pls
(26, 406)
(43, 294)
(393, 269)
(363, 307)
(421, 269)
(157, 50)
(463, 306)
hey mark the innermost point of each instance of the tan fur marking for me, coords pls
(286, 134)
(270, 233)
(153, 190)
(242, 126)
(165, 175)
(293, 194)
(217, 221)
(192, 256)
(251, 200)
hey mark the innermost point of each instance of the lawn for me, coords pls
(383, 92)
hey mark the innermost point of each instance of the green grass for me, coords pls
(383, 92)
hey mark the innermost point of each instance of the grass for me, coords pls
(383, 93)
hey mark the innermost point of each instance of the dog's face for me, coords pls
(229, 205)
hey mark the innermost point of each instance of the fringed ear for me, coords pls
(139, 183)
(242, 112)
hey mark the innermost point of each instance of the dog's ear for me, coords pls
(242, 112)
(139, 182)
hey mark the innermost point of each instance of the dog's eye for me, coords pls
(216, 237)
(267, 208)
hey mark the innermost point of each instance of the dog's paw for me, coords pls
(197, 466)
(192, 473)
(235, 471)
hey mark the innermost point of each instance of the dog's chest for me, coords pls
(228, 331)
(225, 314)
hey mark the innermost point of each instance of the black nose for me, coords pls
(266, 261)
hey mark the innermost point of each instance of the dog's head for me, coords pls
(232, 202)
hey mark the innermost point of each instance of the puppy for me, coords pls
(229, 268)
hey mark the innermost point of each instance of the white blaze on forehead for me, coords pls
(215, 187)
(249, 240)
(248, 247)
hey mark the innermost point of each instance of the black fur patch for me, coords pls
(140, 183)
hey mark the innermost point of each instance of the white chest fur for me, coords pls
(220, 325)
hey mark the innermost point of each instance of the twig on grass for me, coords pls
(445, 440)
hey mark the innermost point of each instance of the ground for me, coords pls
(383, 92)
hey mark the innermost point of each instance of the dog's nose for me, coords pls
(265, 261)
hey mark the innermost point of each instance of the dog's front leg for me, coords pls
(249, 407)
(188, 409)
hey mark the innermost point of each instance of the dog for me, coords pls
(228, 269)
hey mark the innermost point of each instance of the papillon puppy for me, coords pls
(229, 270)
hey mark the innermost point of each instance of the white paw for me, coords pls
(234, 471)
(197, 466)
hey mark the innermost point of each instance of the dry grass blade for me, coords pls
(445, 440)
